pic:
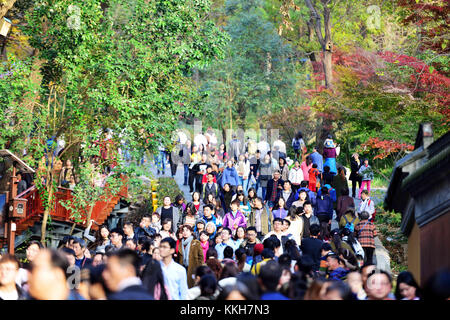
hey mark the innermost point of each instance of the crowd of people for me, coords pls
(255, 228)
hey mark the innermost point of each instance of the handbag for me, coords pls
(252, 180)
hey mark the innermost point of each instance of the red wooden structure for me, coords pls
(35, 208)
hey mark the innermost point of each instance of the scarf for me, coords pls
(185, 247)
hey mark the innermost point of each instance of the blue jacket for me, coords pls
(311, 195)
(324, 204)
(212, 219)
(317, 158)
(230, 176)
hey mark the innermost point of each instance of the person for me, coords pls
(244, 204)
(330, 152)
(101, 239)
(339, 181)
(66, 174)
(313, 175)
(121, 277)
(204, 242)
(344, 202)
(250, 241)
(195, 158)
(156, 222)
(265, 172)
(336, 267)
(407, 287)
(309, 218)
(324, 211)
(284, 169)
(355, 164)
(9, 270)
(259, 218)
(197, 204)
(277, 231)
(336, 243)
(354, 280)
(316, 159)
(185, 157)
(208, 215)
(21, 184)
(298, 144)
(349, 220)
(179, 203)
(269, 279)
(274, 189)
(367, 205)
(366, 173)
(195, 292)
(153, 279)
(338, 290)
(48, 277)
(116, 237)
(280, 209)
(312, 246)
(190, 253)
(235, 148)
(239, 237)
(227, 196)
(348, 237)
(167, 211)
(255, 162)
(263, 146)
(200, 169)
(296, 176)
(144, 229)
(223, 155)
(243, 170)
(210, 187)
(365, 233)
(302, 198)
(327, 176)
(379, 286)
(190, 215)
(288, 194)
(166, 229)
(235, 218)
(226, 241)
(296, 223)
(305, 166)
(175, 275)
(79, 247)
(230, 176)
(128, 231)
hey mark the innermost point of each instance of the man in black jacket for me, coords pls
(274, 188)
(121, 277)
(312, 246)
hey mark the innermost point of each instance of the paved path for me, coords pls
(381, 255)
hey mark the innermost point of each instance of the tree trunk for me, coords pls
(46, 213)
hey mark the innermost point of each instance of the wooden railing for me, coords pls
(102, 208)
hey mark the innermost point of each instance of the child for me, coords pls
(156, 222)
(313, 174)
(365, 232)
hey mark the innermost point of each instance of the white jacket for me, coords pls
(296, 175)
(246, 168)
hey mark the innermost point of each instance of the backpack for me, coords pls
(296, 144)
(350, 225)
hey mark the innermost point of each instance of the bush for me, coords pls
(167, 187)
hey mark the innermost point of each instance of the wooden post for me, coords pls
(11, 235)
